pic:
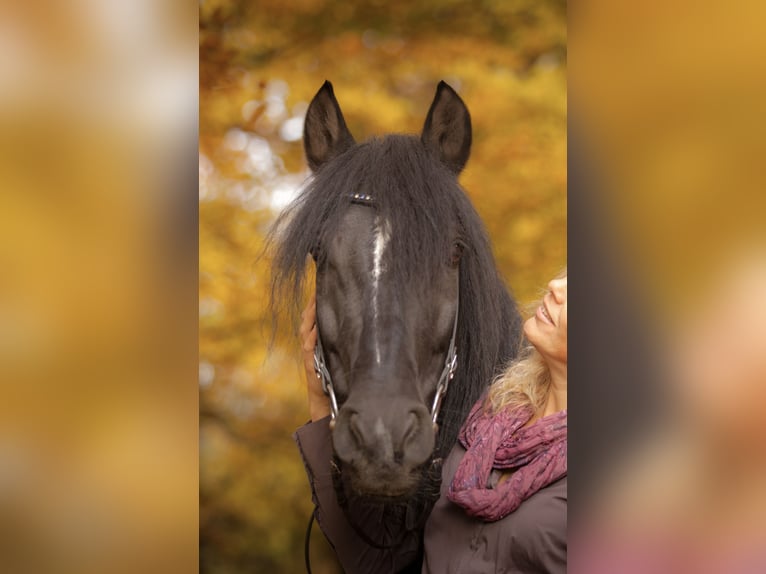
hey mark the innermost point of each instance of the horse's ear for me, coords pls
(325, 134)
(447, 130)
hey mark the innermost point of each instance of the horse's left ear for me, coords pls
(447, 130)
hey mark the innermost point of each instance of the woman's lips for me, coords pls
(543, 314)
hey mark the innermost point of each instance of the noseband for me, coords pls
(447, 374)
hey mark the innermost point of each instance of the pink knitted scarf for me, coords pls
(537, 456)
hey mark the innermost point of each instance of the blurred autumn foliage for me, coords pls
(260, 64)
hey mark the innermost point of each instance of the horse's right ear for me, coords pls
(447, 131)
(325, 134)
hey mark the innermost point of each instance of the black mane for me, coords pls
(422, 200)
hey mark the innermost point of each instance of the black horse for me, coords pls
(400, 252)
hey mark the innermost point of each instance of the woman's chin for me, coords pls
(531, 329)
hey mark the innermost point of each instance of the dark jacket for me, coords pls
(531, 539)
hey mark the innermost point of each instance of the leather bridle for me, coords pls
(447, 374)
(323, 374)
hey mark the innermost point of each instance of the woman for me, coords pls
(503, 496)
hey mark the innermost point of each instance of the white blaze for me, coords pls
(382, 236)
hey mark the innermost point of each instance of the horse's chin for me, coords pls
(384, 492)
(385, 484)
(385, 497)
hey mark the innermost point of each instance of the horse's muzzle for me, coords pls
(383, 444)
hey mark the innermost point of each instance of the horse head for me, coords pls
(403, 274)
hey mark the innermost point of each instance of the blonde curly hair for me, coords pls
(526, 381)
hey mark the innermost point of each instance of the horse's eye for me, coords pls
(457, 253)
(314, 251)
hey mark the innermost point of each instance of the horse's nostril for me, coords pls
(354, 428)
(411, 428)
(396, 434)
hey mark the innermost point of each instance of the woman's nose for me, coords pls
(559, 288)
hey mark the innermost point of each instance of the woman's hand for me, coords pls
(319, 403)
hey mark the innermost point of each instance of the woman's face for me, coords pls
(547, 328)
